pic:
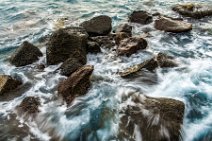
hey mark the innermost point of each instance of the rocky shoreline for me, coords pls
(69, 46)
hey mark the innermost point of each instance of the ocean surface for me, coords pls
(96, 112)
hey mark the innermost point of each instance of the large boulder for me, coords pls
(77, 84)
(98, 26)
(7, 84)
(29, 105)
(70, 66)
(131, 45)
(141, 17)
(150, 119)
(66, 43)
(193, 10)
(26, 54)
(169, 25)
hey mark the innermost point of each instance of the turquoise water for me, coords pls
(94, 117)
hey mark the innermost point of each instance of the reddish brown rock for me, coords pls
(29, 105)
(120, 36)
(77, 84)
(126, 28)
(131, 45)
(7, 84)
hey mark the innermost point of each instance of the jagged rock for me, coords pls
(104, 41)
(70, 66)
(120, 36)
(30, 105)
(126, 28)
(66, 43)
(98, 26)
(131, 45)
(161, 60)
(150, 65)
(141, 17)
(193, 10)
(7, 84)
(93, 47)
(76, 85)
(165, 61)
(169, 25)
(150, 119)
(26, 54)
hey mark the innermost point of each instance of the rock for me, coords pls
(30, 105)
(141, 17)
(40, 67)
(7, 84)
(169, 25)
(70, 66)
(66, 43)
(151, 119)
(104, 41)
(120, 36)
(98, 26)
(93, 47)
(165, 61)
(150, 65)
(126, 28)
(26, 54)
(192, 10)
(131, 45)
(76, 85)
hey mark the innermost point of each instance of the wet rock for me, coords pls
(93, 47)
(141, 17)
(120, 36)
(98, 26)
(26, 54)
(7, 84)
(40, 67)
(150, 65)
(193, 10)
(104, 41)
(76, 85)
(165, 61)
(70, 66)
(66, 43)
(169, 25)
(131, 45)
(152, 119)
(30, 105)
(126, 28)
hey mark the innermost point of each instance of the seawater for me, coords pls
(94, 117)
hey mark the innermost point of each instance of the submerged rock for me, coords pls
(193, 10)
(141, 17)
(126, 28)
(30, 105)
(169, 25)
(66, 43)
(77, 84)
(7, 84)
(98, 26)
(150, 119)
(165, 61)
(104, 41)
(120, 36)
(26, 54)
(70, 66)
(93, 47)
(131, 45)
